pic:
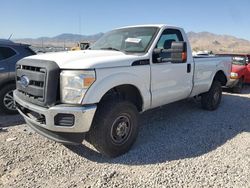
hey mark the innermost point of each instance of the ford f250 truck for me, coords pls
(98, 94)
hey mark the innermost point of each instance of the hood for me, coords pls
(238, 68)
(87, 59)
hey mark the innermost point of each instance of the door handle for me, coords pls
(188, 68)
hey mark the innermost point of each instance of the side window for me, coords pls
(168, 36)
(6, 52)
(31, 51)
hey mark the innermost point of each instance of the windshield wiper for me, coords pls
(110, 48)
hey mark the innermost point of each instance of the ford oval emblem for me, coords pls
(24, 81)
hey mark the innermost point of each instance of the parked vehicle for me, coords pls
(81, 46)
(240, 72)
(99, 93)
(10, 53)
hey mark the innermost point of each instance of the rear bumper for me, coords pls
(81, 123)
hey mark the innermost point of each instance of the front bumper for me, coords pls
(83, 117)
(232, 82)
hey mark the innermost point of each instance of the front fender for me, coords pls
(110, 78)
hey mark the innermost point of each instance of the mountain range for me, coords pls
(218, 43)
(62, 40)
(199, 41)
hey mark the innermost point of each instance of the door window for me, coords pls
(168, 36)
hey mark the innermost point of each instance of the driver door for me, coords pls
(169, 81)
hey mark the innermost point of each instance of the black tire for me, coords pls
(6, 99)
(211, 99)
(114, 128)
(238, 88)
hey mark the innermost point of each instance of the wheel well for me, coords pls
(125, 92)
(220, 76)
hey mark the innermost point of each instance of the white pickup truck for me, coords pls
(98, 94)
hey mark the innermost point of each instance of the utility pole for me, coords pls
(42, 45)
(80, 27)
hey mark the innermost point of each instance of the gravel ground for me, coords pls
(179, 145)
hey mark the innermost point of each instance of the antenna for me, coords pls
(10, 36)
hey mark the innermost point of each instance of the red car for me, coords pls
(240, 72)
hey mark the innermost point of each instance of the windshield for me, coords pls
(239, 60)
(134, 39)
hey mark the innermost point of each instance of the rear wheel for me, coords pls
(115, 128)
(239, 86)
(211, 99)
(7, 104)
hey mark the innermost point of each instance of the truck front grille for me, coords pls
(36, 77)
(37, 81)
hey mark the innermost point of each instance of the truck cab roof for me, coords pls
(151, 25)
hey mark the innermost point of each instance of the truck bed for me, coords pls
(204, 71)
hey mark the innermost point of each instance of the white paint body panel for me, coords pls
(205, 69)
(167, 86)
(88, 59)
(108, 78)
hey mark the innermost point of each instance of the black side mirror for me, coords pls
(177, 53)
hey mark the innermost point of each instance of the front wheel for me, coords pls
(115, 128)
(211, 99)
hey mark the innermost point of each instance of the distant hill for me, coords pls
(199, 41)
(218, 43)
(65, 39)
(75, 37)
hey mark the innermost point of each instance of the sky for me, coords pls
(37, 18)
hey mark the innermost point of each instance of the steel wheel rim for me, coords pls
(8, 101)
(121, 129)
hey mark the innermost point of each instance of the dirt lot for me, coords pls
(178, 145)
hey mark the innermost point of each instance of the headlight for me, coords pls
(74, 84)
(234, 75)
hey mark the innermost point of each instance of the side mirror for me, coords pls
(176, 54)
(179, 52)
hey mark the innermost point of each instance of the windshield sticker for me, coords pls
(133, 40)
